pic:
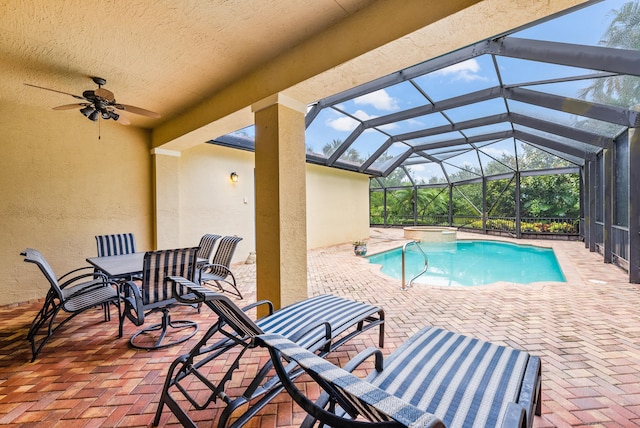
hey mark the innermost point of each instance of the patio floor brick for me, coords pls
(587, 332)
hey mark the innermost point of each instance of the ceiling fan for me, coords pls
(100, 103)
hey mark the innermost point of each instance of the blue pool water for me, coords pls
(470, 263)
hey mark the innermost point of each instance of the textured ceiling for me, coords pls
(177, 57)
(164, 56)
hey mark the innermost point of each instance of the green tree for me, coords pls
(550, 196)
(623, 33)
(350, 154)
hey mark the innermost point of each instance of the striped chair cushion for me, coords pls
(290, 321)
(374, 404)
(340, 313)
(463, 381)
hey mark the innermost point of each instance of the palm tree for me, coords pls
(350, 154)
(623, 33)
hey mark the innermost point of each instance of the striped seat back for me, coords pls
(34, 256)
(207, 242)
(224, 254)
(228, 311)
(158, 265)
(116, 244)
(233, 316)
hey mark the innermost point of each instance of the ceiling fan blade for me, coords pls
(69, 106)
(123, 120)
(55, 90)
(137, 110)
(104, 94)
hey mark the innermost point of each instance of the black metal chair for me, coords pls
(218, 272)
(207, 244)
(320, 324)
(116, 244)
(155, 294)
(73, 292)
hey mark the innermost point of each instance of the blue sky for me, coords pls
(584, 26)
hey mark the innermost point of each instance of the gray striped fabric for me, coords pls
(87, 299)
(158, 265)
(341, 314)
(34, 256)
(223, 255)
(373, 403)
(465, 382)
(116, 244)
(207, 242)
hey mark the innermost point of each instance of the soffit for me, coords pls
(164, 56)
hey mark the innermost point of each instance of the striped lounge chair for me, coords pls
(436, 379)
(319, 324)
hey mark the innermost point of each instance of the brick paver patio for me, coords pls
(586, 330)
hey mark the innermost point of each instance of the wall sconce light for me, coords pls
(234, 177)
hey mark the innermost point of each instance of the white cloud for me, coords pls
(363, 115)
(344, 123)
(465, 70)
(496, 152)
(380, 99)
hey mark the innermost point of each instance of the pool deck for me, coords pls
(587, 332)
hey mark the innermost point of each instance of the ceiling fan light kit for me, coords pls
(100, 103)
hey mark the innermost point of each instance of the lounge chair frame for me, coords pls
(436, 377)
(74, 292)
(321, 324)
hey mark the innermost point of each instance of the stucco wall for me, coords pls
(210, 202)
(337, 206)
(337, 201)
(61, 186)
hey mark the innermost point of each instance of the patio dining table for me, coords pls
(120, 266)
(124, 265)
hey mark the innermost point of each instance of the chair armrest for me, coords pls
(69, 281)
(306, 331)
(98, 280)
(133, 305)
(363, 356)
(357, 395)
(207, 267)
(259, 303)
(515, 416)
(351, 365)
(190, 299)
(74, 271)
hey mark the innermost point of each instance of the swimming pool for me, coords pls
(470, 263)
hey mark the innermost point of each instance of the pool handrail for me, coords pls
(406, 286)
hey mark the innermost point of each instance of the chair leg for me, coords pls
(162, 327)
(46, 315)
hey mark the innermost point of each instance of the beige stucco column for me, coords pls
(281, 226)
(166, 198)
